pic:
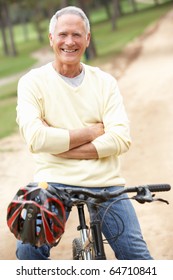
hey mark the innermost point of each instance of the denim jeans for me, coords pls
(126, 241)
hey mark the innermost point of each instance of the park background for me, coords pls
(132, 40)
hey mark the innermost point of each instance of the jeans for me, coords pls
(126, 241)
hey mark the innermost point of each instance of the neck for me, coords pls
(69, 71)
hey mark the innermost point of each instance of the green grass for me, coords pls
(8, 91)
(108, 45)
(8, 109)
(7, 117)
(13, 65)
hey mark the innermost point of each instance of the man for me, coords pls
(73, 120)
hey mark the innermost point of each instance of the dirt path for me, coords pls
(147, 88)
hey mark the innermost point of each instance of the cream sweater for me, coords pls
(44, 95)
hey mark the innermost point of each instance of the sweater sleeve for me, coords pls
(30, 116)
(116, 139)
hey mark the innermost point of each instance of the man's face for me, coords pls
(70, 39)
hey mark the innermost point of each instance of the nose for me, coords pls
(69, 40)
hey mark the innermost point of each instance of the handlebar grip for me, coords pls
(159, 188)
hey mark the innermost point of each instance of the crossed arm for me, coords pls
(81, 146)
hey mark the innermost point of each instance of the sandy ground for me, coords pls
(146, 84)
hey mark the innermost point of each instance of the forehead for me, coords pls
(70, 21)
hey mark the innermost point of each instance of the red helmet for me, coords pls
(36, 216)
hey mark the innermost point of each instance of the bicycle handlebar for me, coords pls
(158, 187)
(143, 192)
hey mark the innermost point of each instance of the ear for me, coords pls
(88, 39)
(50, 39)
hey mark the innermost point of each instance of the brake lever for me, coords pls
(161, 199)
(144, 195)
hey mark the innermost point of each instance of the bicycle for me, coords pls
(90, 244)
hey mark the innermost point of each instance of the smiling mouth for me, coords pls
(69, 51)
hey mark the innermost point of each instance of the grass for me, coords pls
(8, 109)
(10, 66)
(7, 117)
(108, 44)
(8, 91)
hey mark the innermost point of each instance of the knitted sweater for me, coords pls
(44, 95)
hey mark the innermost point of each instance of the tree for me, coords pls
(91, 51)
(116, 13)
(6, 27)
(4, 38)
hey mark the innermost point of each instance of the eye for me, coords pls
(76, 35)
(62, 35)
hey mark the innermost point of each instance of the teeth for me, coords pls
(69, 51)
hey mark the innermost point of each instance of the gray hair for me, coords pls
(68, 10)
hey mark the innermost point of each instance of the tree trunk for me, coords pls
(4, 39)
(115, 13)
(6, 23)
(91, 50)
